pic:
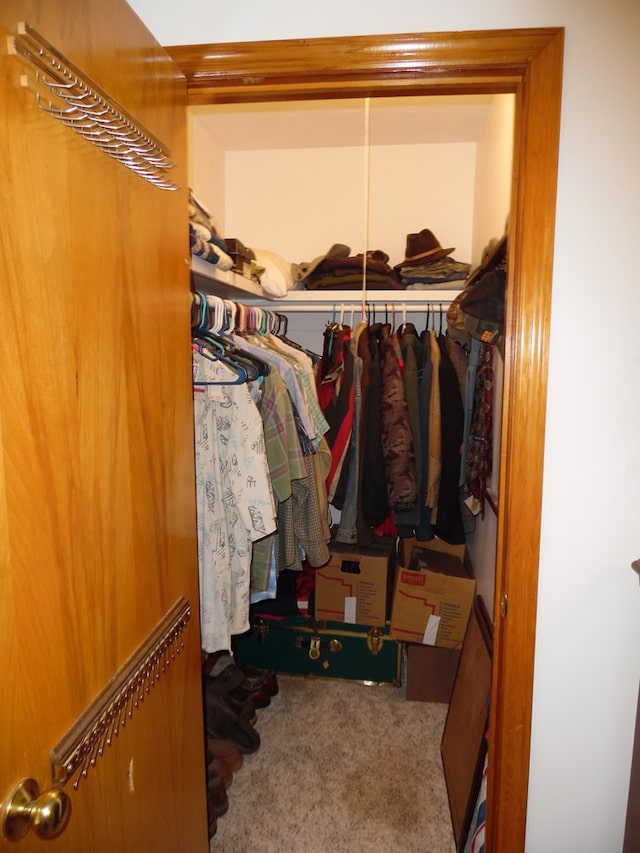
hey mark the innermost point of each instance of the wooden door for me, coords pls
(97, 508)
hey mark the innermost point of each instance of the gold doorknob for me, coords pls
(47, 813)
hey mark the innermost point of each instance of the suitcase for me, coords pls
(303, 645)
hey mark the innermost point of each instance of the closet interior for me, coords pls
(297, 179)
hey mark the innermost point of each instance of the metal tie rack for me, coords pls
(117, 702)
(90, 111)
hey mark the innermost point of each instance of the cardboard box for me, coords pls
(432, 600)
(355, 585)
(431, 673)
(408, 544)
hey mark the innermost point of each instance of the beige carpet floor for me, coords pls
(343, 768)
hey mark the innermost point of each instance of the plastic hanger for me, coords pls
(215, 318)
(242, 375)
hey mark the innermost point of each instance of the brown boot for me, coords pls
(217, 799)
(213, 826)
(222, 769)
(227, 751)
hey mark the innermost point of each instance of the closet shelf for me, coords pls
(230, 285)
(225, 283)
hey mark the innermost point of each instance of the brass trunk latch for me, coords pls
(261, 630)
(374, 640)
(316, 644)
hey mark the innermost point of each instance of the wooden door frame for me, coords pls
(527, 63)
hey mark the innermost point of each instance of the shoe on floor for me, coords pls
(213, 826)
(230, 677)
(261, 697)
(217, 799)
(221, 768)
(255, 677)
(227, 751)
(222, 722)
(242, 705)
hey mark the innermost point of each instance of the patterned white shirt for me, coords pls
(235, 504)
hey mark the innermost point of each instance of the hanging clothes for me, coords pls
(398, 398)
(449, 526)
(286, 464)
(260, 449)
(480, 444)
(411, 350)
(425, 529)
(435, 431)
(375, 502)
(235, 504)
(310, 428)
(334, 383)
(300, 532)
(352, 528)
(306, 377)
(293, 422)
(475, 353)
(395, 428)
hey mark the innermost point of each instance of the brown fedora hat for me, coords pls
(423, 246)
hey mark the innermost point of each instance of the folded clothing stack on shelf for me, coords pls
(203, 236)
(267, 268)
(426, 266)
(339, 270)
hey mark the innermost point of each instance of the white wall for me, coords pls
(206, 168)
(493, 174)
(299, 202)
(588, 639)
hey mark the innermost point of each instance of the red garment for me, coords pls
(336, 397)
(387, 529)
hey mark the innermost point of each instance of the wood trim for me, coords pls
(529, 64)
(408, 63)
(492, 500)
(632, 823)
(522, 448)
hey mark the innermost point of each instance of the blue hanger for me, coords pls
(242, 375)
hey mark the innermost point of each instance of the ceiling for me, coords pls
(337, 123)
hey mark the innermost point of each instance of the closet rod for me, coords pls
(350, 304)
